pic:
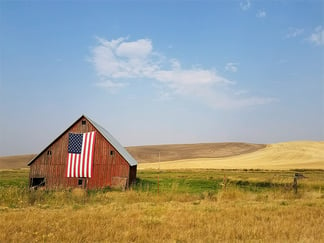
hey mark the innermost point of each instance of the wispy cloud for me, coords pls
(118, 62)
(231, 67)
(261, 14)
(245, 5)
(294, 32)
(317, 37)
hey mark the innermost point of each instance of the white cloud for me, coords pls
(120, 60)
(317, 37)
(136, 49)
(261, 14)
(294, 32)
(245, 5)
(231, 67)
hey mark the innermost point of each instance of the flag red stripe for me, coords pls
(82, 159)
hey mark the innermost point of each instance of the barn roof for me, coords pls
(113, 141)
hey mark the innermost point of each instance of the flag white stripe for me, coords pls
(90, 154)
(82, 156)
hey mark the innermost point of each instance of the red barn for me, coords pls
(85, 155)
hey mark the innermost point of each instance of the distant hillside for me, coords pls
(289, 155)
(169, 152)
(279, 156)
(16, 161)
(150, 153)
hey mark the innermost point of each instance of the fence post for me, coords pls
(295, 186)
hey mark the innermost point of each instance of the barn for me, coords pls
(85, 155)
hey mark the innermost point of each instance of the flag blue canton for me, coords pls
(75, 143)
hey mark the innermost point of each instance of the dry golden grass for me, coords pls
(289, 155)
(143, 217)
(255, 206)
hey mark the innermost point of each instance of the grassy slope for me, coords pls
(289, 155)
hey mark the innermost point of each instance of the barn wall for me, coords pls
(107, 165)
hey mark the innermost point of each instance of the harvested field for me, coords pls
(144, 154)
(280, 156)
(16, 161)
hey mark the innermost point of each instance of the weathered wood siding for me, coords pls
(51, 164)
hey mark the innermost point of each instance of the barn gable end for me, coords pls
(112, 164)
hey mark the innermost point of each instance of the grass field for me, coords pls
(169, 206)
(236, 193)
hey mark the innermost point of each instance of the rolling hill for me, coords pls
(170, 152)
(288, 155)
(16, 161)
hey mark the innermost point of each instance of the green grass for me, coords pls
(18, 177)
(14, 191)
(199, 181)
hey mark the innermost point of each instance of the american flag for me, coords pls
(80, 154)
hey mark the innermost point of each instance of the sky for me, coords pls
(161, 72)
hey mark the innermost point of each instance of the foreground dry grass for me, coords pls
(280, 156)
(191, 206)
(143, 217)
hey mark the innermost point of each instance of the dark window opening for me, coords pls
(83, 122)
(37, 182)
(49, 152)
(112, 152)
(80, 182)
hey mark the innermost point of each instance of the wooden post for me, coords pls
(295, 186)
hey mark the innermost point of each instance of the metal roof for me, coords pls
(131, 161)
(113, 141)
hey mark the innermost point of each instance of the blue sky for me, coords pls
(159, 72)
